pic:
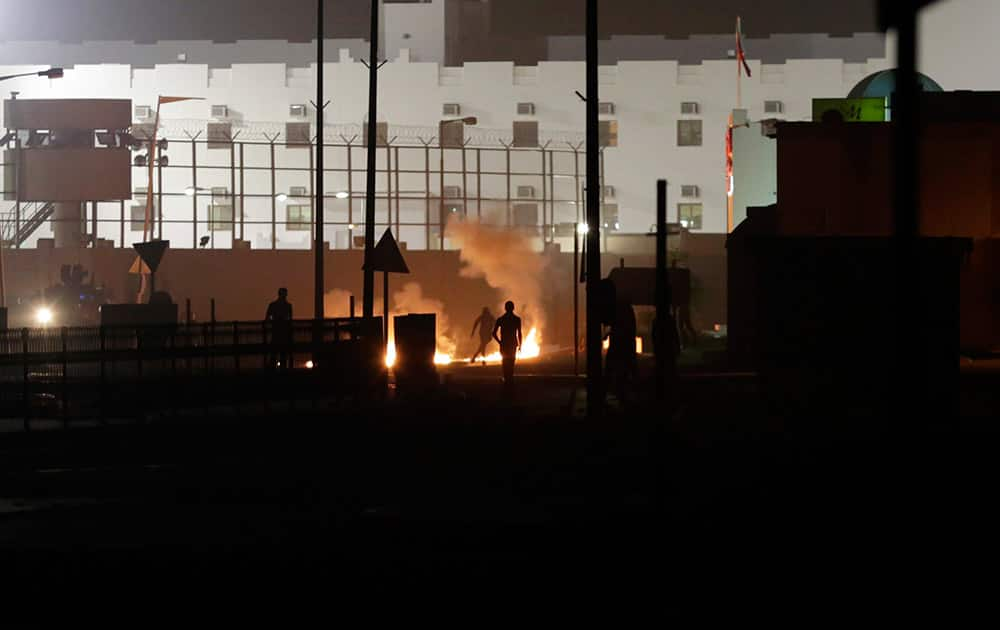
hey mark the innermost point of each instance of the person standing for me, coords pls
(279, 315)
(484, 323)
(509, 327)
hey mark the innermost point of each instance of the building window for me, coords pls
(526, 215)
(298, 218)
(381, 134)
(220, 218)
(525, 134)
(298, 134)
(608, 133)
(220, 135)
(451, 134)
(689, 133)
(689, 215)
(137, 214)
(609, 216)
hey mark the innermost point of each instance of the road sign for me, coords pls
(151, 253)
(386, 256)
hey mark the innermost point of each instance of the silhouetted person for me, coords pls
(680, 284)
(621, 359)
(279, 314)
(509, 327)
(484, 323)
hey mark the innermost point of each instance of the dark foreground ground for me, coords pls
(459, 487)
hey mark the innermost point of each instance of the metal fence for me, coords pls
(127, 372)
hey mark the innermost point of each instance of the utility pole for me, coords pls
(320, 105)
(368, 297)
(595, 384)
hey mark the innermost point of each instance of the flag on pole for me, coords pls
(740, 53)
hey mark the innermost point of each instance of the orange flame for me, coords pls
(530, 349)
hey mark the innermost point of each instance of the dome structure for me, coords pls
(882, 84)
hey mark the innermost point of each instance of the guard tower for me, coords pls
(66, 152)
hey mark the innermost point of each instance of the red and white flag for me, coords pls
(740, 53)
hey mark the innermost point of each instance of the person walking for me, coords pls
(484, 323)
(508, 326)
(279, 315)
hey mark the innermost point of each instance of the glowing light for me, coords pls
(190, 191)
(638, 345)
(343, 195)
(282, 197)
(390, 355)
(44, 316)
(531, 348)
(310, 365)
(441, 358)
(582, 228)
(350, 226)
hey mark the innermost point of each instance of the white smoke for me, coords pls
(506, 260)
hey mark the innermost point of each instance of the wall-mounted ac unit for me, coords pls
(526, 192)
(143, 112)
(451, 109)
(689, 191)
(220, 111)
(452, 192)
(297, 111)
(606, 109)
(298, 191)
(525, 109)
(220, 191)
(774, 107)
(690, 108)
(609, 192)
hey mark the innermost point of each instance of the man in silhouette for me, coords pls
(279, 314)
(484, 323)
(509, 327)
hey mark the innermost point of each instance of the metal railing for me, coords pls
(128, 371)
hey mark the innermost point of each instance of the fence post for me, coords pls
(65, 380)
(236, 346)
(26, 393)
(104, 378)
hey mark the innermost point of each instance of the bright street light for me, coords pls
(582, 228)
(282, 197)
(343, 195)
(44, 316)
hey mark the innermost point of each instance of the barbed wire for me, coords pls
(258, 131)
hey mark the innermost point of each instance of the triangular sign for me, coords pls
(386, 256)
(138, 266)
(151, 252)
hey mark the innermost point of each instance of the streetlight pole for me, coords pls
(368, 307)
(595, 388)
(320, 245)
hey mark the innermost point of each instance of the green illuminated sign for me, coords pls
(850, 109)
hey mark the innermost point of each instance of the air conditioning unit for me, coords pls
(609, 192)
(526, 192)
(774, 107)
(298, 191)
(689, 191)
(143, 112)
(690, 108)
(297, 111)
(452, 192)
(451, 109)
(769, 128)
(525, 109)
(220, 111)
(606, 109)
(220, 191)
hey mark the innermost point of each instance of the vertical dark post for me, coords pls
(507, 151)
(545, 198)
(320, 146)
(17, 195)
(350, 198)
(242, 191)
(595, 386)
(104, 377)
(152, 284)
(397, 189)
(465, 183)
(65, 376)
(25, 380)
(388, 186)
(232, 189)
(194, 197)
(158, 210)
(213, 311)
(352, 307)
(441, 217)
(187, 310)
(274, 203)
(576, 265)
(385, 310)
(94, 227)
(479, 183)
(121, 222)
(662, 288)
(906, 164)
(368, 298)
(427, 196)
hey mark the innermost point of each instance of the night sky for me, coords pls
(227, 20)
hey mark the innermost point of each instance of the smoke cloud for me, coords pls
(506, 260)
(409, 299)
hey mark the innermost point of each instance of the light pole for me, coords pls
(320, 104)
(368, 297)
(595, 385)
(51, 73)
